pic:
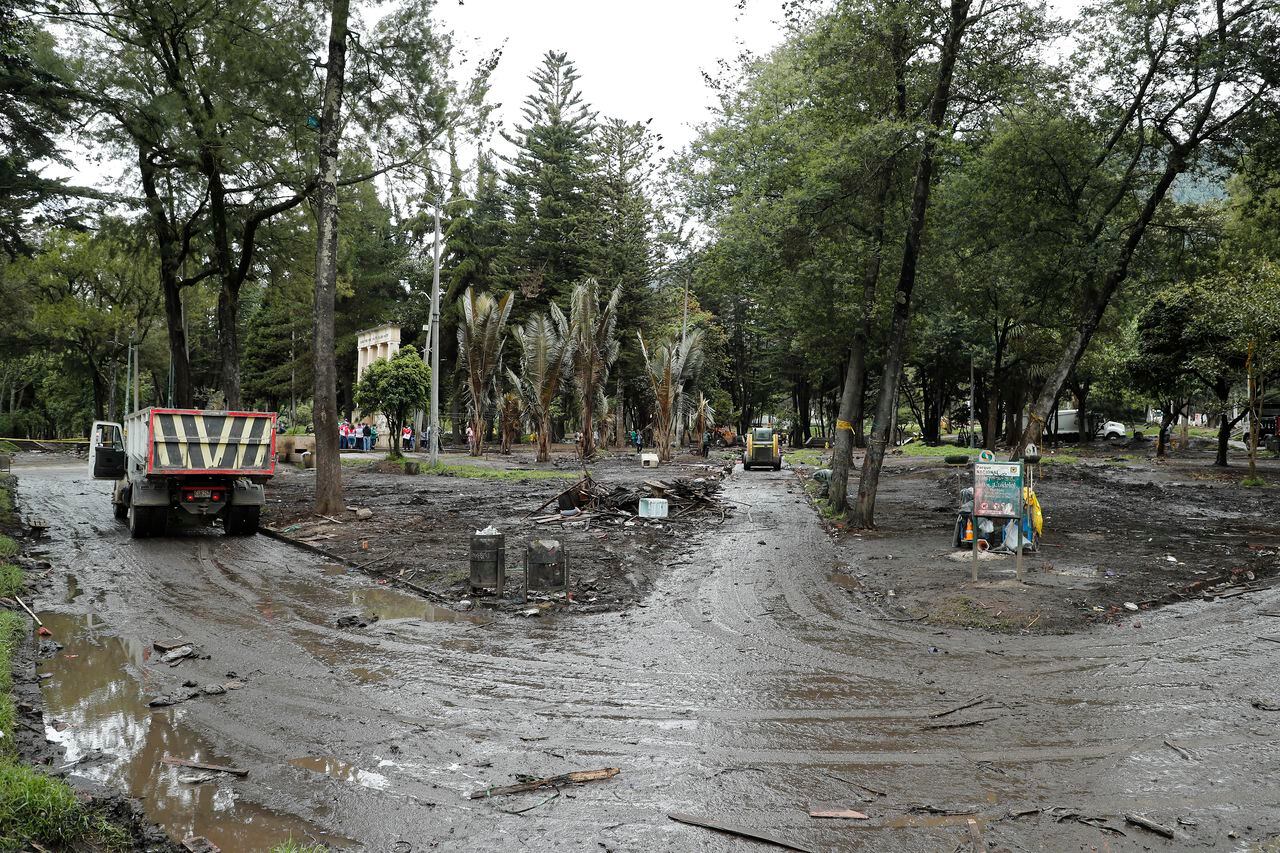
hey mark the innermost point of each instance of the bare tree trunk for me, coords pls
(849, 416)
(886, 408)
(544, 439)
(328, 462)
(588, 426)
(1097, 298)
(167, 241)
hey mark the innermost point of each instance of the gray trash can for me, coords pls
(546, 566)
(488, 561)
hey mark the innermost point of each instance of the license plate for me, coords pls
(203, 493)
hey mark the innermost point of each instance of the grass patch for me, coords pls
(8, 447)
(12, 627)
(939, 450)
(483, 472)
(811, 456)
(292, 846)
(1059, 459)
(961, 611)
(1253, 482)
(10, 580)
(8, 548)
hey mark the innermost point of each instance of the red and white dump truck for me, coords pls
(186, 467)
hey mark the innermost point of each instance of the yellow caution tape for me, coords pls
(844, 425)
(47, 440)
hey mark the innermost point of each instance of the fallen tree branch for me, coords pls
(734, 829)
(1149, 825)
(199, 765)
(576, 777)
(978, 701)
(962, 724)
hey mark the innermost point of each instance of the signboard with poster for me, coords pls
(997, 489)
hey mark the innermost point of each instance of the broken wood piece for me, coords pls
(1178, 749)
(200, 765)
(834, 810)
(30, 612)
(576, 777)
(867, 788)
(1149, 825)
(978, 701)
(961, 723)
(163, 646)
(734, 829)
(975, 837)
(200, 844)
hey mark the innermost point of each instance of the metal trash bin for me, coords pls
(546, 566)
(488, 561)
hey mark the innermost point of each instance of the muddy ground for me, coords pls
(752, 686)
(1119, 529)
(419, 533)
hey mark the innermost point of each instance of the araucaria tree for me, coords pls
(546, 355)
(481, 335)
(396, 387)
(668, 368)
(595, 348)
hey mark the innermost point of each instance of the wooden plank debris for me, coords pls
(960, 724)
(977, 701)
(834, 810)
(1149, 825)
(744, 832)
(574, 778)
(200, 765)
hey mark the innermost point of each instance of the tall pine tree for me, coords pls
(551, 219)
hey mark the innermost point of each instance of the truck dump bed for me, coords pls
(190, 441)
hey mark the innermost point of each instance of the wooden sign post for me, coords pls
(997, 493)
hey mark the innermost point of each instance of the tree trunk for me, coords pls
(229, 343)
(1095, 306)
(588, 425)
(1222, 391)
(544, 439)
(886, 408)
(168, 244)
(1167, 418)
(328, 462)
(848, 431)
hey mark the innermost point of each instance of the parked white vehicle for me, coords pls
(1067, 422)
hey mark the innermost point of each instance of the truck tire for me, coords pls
(144, 521)
(120, 510)
(241, 520)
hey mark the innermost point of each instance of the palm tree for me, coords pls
(510, 412)
(705, 416)
(668, 368)
(595, 348)
(546, 353)
(480, 340)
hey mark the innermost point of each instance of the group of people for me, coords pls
(410, 442)
(356, 436)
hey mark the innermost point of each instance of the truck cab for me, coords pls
(178, 467)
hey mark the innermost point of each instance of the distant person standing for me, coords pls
(365, 434)
(406, 438)
(638, 438)
(706, 444)
(471, 439)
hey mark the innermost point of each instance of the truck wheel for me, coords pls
(241, 520)
(139, 521)
(121, 510)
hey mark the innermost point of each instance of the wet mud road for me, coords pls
(747, 688)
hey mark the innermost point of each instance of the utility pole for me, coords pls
(433, 427)
(128, 380)
(137, 364)
(972, 414)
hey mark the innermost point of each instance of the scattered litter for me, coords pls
(1169, 559)
(1129, 605)
(532, 611)
(1149, 825)
(163, 646)
(1184, 753)
(364, 513)
(177, 654)
(530, 783)
(200, 844)
(734, 829)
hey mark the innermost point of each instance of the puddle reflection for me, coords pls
(104, 707)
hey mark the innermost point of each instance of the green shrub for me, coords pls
(10, 580)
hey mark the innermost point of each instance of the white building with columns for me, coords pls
(371, 345)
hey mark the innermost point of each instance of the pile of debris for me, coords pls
(587, 499)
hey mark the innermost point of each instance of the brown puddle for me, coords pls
(387, 603)
(334, 768)
(104, 710)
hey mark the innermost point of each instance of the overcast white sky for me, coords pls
(638, 60)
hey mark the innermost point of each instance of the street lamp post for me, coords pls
(433, 429)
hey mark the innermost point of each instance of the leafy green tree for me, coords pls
(396, 387)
